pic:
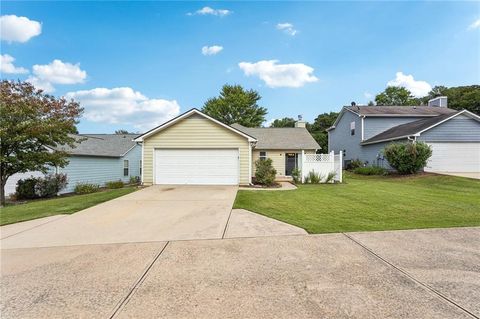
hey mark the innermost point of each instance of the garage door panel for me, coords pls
(197, 166)
(454, 157)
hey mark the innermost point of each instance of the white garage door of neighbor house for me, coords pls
(454, 157)
(197, 166)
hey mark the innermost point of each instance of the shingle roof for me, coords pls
(407, 129)
(400, 110)
(286, 138)
(104, 145)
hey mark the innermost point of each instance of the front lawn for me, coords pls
(367, 203)
(62, 205)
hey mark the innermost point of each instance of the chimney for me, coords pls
(440, 101)
(300, 122)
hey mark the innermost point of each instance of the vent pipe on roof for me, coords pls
(439, 101)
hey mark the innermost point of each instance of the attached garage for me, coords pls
(454, 157)
(197, 166)
(196, 149)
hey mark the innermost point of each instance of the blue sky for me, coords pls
(135, 64)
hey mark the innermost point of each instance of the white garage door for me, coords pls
(197, 166)
(454, 157)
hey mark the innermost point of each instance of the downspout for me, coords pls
(363, 135)
(251, 144)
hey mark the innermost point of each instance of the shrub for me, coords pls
(353, 164)
(86, 188)
(134, 180)
(26, 188)
(313, 178)
(264, 172)
(407, 158)
(370, 170)
(114, 184)
(297, 175)
(330, 177)
(50, 185)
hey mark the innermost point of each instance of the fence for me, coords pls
(322, 164)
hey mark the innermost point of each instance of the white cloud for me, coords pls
(57, 72)
(280, 75)
(368, 95)
(214, 49)
(123, 105)
(287, 28)
(210, 11)
(47, 87)
(18, 29)
(418, 88)
(7, 66)
(475, 25)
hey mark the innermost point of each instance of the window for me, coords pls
(125, 168)
(263, 155)
(140, 168)
(352, 128)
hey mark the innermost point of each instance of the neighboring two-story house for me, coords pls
(362, 132)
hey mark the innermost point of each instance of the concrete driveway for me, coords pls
(474, 175)
(157, 213)
(395, 274)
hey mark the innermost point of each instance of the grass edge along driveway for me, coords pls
(369, 203)
(60, 205)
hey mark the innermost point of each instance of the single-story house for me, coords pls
(194, 148)
(362, 132)
(97, 159)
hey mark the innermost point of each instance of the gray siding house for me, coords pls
(97, 158)
(362, 132)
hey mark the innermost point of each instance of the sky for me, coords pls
(134, 65)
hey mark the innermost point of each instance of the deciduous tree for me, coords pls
(236, 105)
(32, 125)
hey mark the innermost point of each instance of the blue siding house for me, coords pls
(100, 158)
(362, 132)
(97, 159)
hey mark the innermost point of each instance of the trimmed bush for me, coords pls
(50, 185)
(297, 175)
(114, 184)
(370, 170)
(40, 187)
(264, 172)
(86, 188)
(26, 188)
(353, 164)
(407, 158)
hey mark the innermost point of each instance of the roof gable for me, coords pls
(184, 116)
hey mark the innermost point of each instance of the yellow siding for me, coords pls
(195, 132)
(278, 159)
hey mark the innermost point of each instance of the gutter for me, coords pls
(391, 139)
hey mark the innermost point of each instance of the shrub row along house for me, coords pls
(96, 159)
(362, 132)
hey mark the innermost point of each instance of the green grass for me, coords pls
(62, 205)
(365, 203)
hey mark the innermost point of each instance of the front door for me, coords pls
(290, 163)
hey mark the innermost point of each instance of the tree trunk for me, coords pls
(2, 193)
